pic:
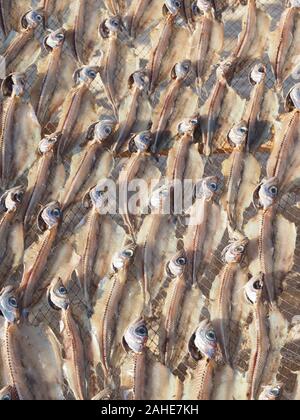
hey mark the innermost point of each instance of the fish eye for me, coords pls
(243, 129)
(211, 335)
(240, 248)
(257, 285)
(18, 197)
(128, 253)
(60, 36)
(142, 331)
(92, 74)
(177, 4)
(275, 391)
(39, 18)
(6, 398)
(56, 212)
(181, 261)
(107, 130)
(62, 290)
(273, 190)
(13, 302)
(213, 186)
(99, 193)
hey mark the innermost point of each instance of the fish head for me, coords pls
(258, 74)
(181, 70)
(293, 98)
(225, 68)
(271, 393)
(47, 144)
(12, 199)
(235, 251)
(160, 196)
(141, 142)
(102, 130)
(204, 5)
(7, 393)
(266, 193)
(139, 79)
(85, 74)
(253, 289)
(177, 265)
(238, 134)
(172, 6)
(50, 216)
(110, 26)
(58, 296)
(136, 337)
(32, 19)
(188, 125)
(98, 196)
(54, 40)
(203, 341)
(14, 84)
(207, 188)
(122, 259)
(9, 305)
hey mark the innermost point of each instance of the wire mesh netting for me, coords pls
(133, 55)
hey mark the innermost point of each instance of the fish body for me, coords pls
(202, 384)
(134, 16)
(234, 182)
(159, 52)
(79, 31)
(248, 33)
(284, 43)
(74, 355)
(204, 37)
(259, 351)
(49, 83)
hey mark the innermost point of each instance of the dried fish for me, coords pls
(97, 198)
(271, 393)
(112, 298)
(197, 231)
(98, 134)
(264, 199)
(158, 200)
(109, 29)
(4, 17)
(29, 22)
(79, 30)
(176, 164)
(74, 367)
(13, 87)
(247, 35)
(204, 36)
(34, 196)
(83, 77)
(53, 43)
(214, 104)
(48, 221)
(139, 145)
(279, 160)
(238, 137)
(203, 348)
(261, 343)
(172, 8)
(232, 255)
(283, 41)
(171, 313)
(11, 200)
(134, 341)
(179, 74)
(138, 82)
(14, 372)
(257, 79)
(134, 15)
